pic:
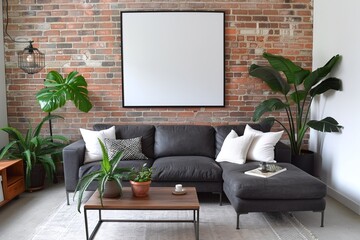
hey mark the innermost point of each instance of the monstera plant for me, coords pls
(298, 87)
(59, 90)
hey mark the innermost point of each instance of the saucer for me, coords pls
(179, 192)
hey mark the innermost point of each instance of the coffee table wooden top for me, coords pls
(159, 198)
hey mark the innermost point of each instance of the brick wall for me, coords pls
(84, 35)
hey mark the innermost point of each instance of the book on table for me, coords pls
(274, 170)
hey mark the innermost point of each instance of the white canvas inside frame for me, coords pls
(173, 58)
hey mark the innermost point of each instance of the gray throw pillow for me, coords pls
(131, 147)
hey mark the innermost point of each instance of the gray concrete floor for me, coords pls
(340, 222)
(19, 218)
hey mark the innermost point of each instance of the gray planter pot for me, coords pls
(37, 178)
(304, 161)
(112, 190)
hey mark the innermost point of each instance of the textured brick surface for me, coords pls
(84, 35)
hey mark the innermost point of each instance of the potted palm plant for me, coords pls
(108, 177)
(57, 91)
(140, 180)
(35, 150)
(298, 88)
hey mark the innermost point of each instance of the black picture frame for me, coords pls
(173, 58)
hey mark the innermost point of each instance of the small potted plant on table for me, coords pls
(108, 177)
(140, 181)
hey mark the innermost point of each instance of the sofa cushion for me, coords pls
(93, 150)
(131, 148)
(235, 148)
(263, 144)
(133, 131)
(186, 169)
(224, 130)
(94, 166)
(184, 140)
(291, 184)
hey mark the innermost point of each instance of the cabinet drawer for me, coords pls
(15, 189)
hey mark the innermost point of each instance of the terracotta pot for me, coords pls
(304, 161)
(112, 190)
(140, 189)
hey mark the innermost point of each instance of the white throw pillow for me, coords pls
(263, 144)
(93, 150)
(234, 148)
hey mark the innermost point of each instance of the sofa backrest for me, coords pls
(184, 140)
(133, 131)
(224, 130)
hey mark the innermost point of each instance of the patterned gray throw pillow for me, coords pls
(131, 147)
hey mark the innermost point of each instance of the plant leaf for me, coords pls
(59, 90)
(14, 134)
(45, 119)
(269, 120)
(327, 124)
(294, 73)
(83, 184)
(314, 77)
(118, 181)
(298, 96)
(115, 160)
(268, 105)
(27, 158)
(271, 77)
(105, 163)
(5, 150)
(101, 186)
(327, 84)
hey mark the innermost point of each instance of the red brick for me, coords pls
(93, 31)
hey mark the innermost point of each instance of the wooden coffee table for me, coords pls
(160, 198)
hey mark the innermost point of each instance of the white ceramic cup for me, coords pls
(178, 188)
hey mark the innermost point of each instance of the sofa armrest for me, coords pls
(73, 158)
(282, 152)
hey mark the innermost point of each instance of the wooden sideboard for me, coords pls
(13, 179)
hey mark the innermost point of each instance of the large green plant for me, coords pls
(33, 148)
(299, 88)
(108, 172)
(58, 90)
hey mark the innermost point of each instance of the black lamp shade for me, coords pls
(31, 60)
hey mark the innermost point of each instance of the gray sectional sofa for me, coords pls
(186, 154)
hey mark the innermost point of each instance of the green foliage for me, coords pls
(58, 90)
(108, 172)
(299, 88)
(33, 148)
(142, 175)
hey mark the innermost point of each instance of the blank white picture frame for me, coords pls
(172, 59)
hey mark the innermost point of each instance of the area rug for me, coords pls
(216, 223)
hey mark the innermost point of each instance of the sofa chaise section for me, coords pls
(292, 190)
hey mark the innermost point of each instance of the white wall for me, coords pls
(336, 31)
(3, 109)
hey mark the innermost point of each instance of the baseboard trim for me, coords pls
(344, 200)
